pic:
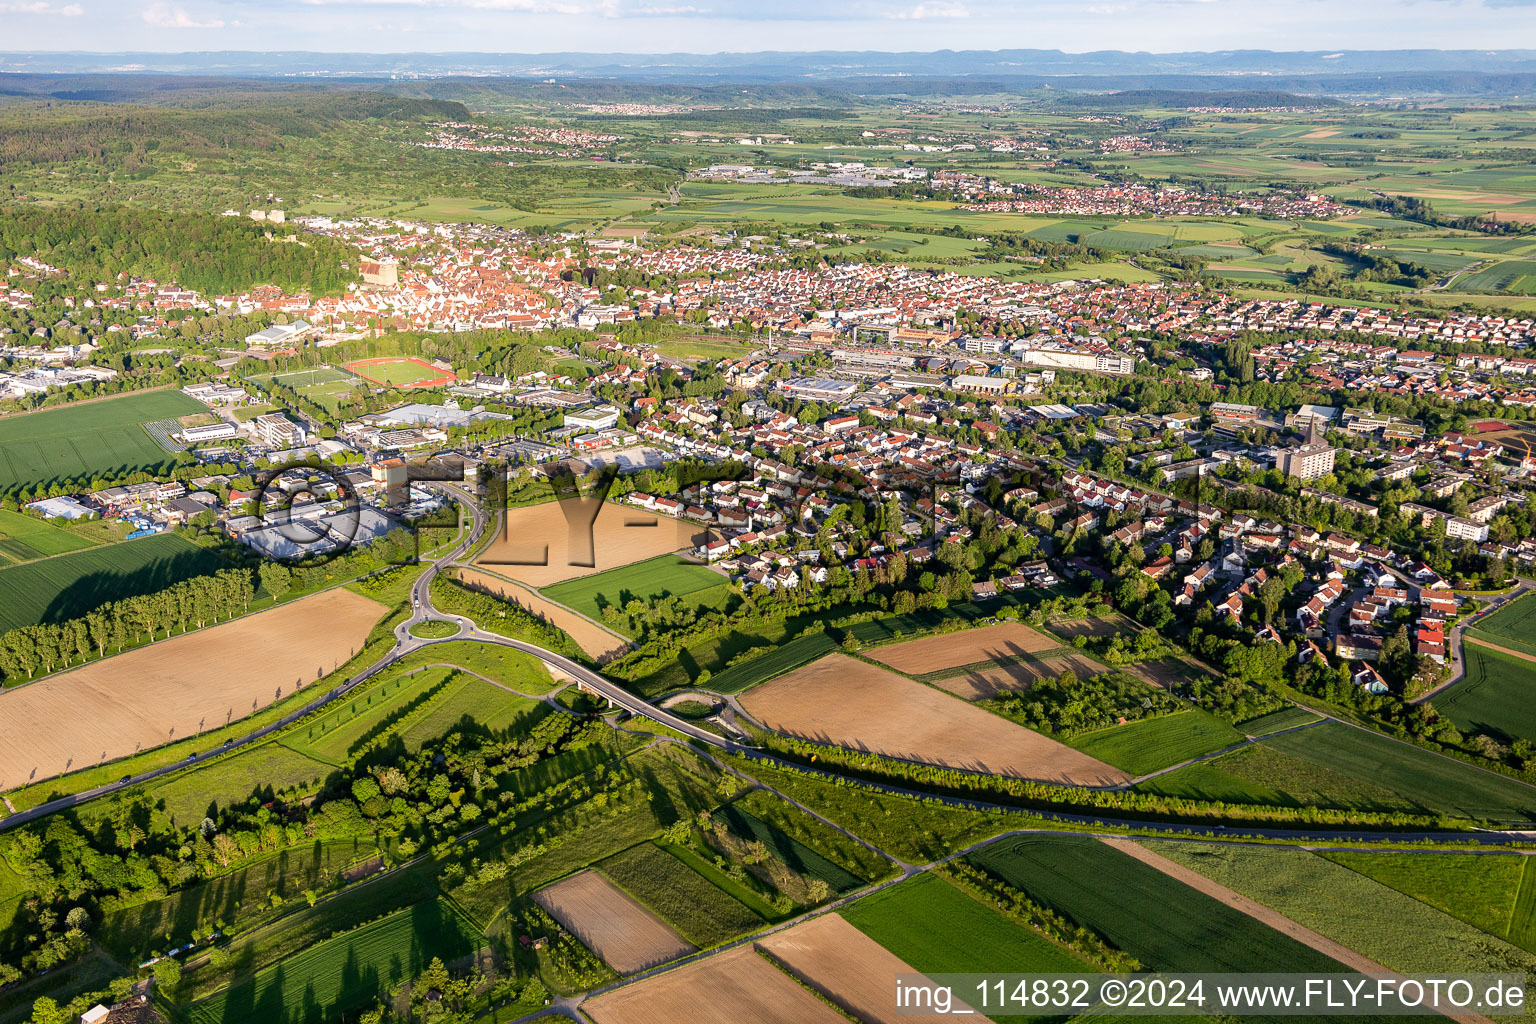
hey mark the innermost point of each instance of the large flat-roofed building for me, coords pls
(211, 432)
(819, 389)
(278, 431)
(599, 417)
(981, 385)
(1308, 462)
(1233, 412)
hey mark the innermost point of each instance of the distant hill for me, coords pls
(1133, 99)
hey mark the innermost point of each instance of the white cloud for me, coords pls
(163, 15)
(930, 9)
(42, 7)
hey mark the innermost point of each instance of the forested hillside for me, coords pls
(211, 254)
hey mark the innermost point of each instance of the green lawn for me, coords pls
(474, 703)
(1428, 781)
(69, 585)
(702, 913)
(1497, 697)
(78, 442)
(234, 778)
(1277, 721)
(344, 974)
(852, 857)
(784, 658)
(1155, 743)
(667, 575)
(1259, 774)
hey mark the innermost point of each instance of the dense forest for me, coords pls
(209, 254)
(123, 136)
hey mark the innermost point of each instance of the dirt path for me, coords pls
(1502, 650)
(1259, 912)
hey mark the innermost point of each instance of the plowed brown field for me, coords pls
(850, 703)
(990, 682)
(560, 540)
(178, 687)
(967, 647)
(628, 937)
(848, 967)
(735, 987)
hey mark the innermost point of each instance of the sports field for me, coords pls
(78, 442)
(1497, 697)
(69, 585)
(664, 576)
(401, 372)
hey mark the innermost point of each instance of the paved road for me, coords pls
(1456, 642)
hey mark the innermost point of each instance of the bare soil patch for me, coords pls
(598, 642)
(620, 231)
(610, 923)
(735, 987)
(847, 967)
(178, 687)
(561, 540)
(1162, 674)
(1106, 625)
(998, 643)
(850, 703)
(990, 682)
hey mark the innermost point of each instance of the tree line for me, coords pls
(199, 601)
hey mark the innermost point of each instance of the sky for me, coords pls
(710, 26)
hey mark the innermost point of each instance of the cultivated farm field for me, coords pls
(998, 644)
(82, 441)
(628, 937)
(850, 703)
(702, 913)
(1513, 626)
(846, 966)
(69, 585)
(343, 974)
(664, 576)
(986, 683)
(1497, 696)
(1423, 779)
(1155, 743)
(169, 690)
(551, 542)
(1162, 922)
(738, 985)
(1349, 907)
(23, 538)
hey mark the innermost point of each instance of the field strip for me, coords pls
(626, 935)
(592, 637)
(1522, 914)
(1259, 912)
(1469, 638)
